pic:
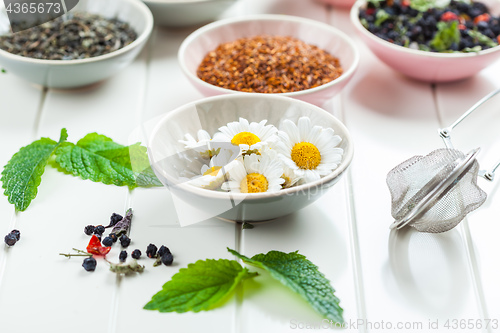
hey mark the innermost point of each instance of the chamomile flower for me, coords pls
(199, 145)
(290, 177)
(216, 172)
(311, 151)
(257, 173)
(249, 136)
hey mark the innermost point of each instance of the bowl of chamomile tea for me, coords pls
(249, 157)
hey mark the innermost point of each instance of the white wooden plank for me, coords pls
(55, 220)
(156, 223)
(407, 277)
(20, 103)
(319, 232)
(167, 88)
(479, 130)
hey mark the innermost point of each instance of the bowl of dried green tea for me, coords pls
(89, 43)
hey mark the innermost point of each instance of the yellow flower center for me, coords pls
(254, 183)
(287, 181)
(306, 155)
(246, 138)
(213, 171)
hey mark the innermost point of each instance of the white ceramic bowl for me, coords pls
(423, 65)
(199, 43)
(182, 13)
(166, 154)
(76, 73)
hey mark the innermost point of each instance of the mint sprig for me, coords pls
(303, 277)
(23, 173)
(201, 286)
(95, 157)
(204, 285)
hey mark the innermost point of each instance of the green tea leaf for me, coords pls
(425, 5)
(98, 158)
(23, 173)
(381, 17)
(203, 285)
(446, 35)
(481, 38)
(302, 276)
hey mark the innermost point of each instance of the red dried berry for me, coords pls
(96, 248)
(449, 16)
(480, 18)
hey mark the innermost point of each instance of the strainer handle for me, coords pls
(445, 133)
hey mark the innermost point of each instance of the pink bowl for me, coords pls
(423, 65)
(207, 38)
(338, 3)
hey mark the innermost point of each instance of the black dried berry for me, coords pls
(89, 264)
(167, 258)
(114, 219)
(123, 256)
(151, 251)
(89, 230)
(99, 230)
(162, 250)
(136, 254)
(10, 239)
(124, 240)
(113, 237)
(107, 241)
(16, 233)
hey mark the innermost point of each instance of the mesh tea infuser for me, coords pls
(433, 193)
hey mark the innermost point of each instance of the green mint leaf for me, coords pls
(23, 173)
(98, 158)
(302, 276)
(446, 35)
(203, 285)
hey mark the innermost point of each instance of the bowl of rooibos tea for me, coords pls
(269, 54)
(90, 43)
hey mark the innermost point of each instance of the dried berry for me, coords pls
(114, 219)
(89, 230)
(10, 239)
(107, 241)
(113, 237)
(167, 258)
(99, 230)
(136, 254)
(124, 240)
(16, 233)
(89, 264)
(162, 250)
(123, 256)
(151, 251)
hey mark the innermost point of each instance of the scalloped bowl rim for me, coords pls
(146, 15)
(344, 164)
(398, 48)
(268, 17)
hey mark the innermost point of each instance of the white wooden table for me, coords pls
(402, 282)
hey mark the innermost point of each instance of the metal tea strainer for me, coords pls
(433, 193)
